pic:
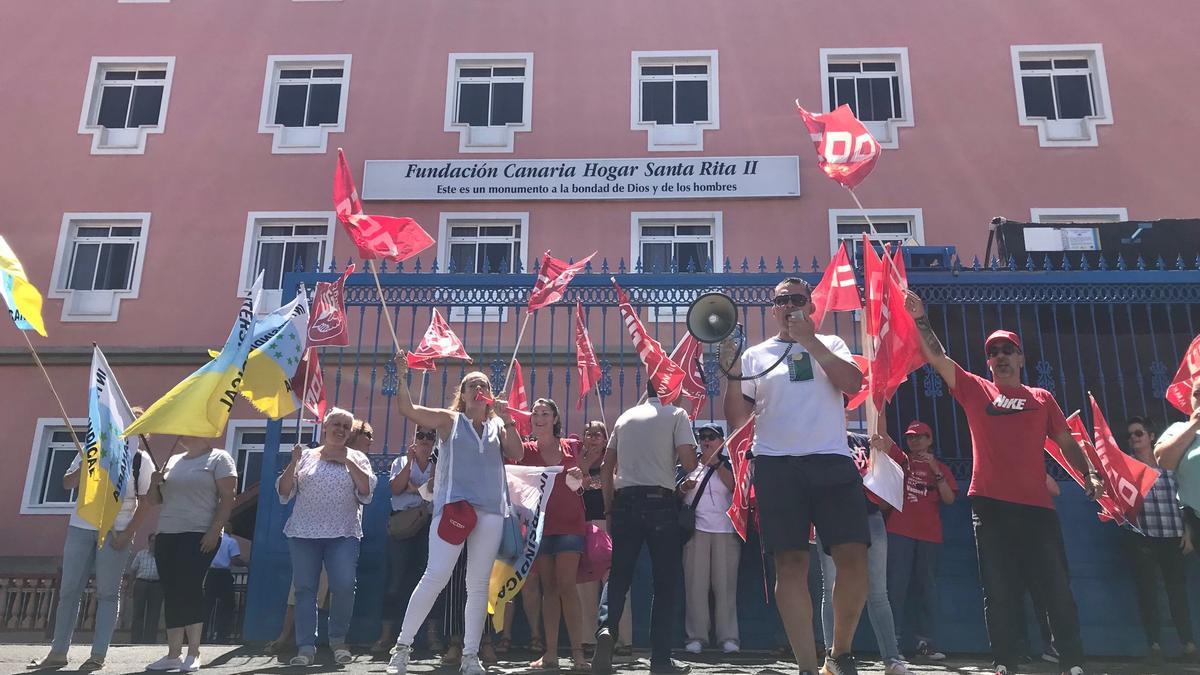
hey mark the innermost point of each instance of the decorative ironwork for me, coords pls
(1045, 375)
(934, 387)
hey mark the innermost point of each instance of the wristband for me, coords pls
(939, 477)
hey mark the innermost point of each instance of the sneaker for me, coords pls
(602, 659)
(191, 664)
(693, 647)
(1001, 670)
(1155, 656)
(896, 667)
(840, 665)
(342, 656)
(670, 668)
(166, 663)
(399, 663)
(471, 665)
(1075, 670)
(1050, 655)
(926, 650)
(731, 647)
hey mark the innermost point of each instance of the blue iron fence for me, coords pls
(1112, 328)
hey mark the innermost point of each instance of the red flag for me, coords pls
(439, 342)
(518, 401)
(865, 390)
(327, 321)
(897, 346)
(846, 151)
(898, 269)
(1126, 479)
(743, 492)
(688, 355)
(838, 290)
(585, 358)
(873, 273)
(311, 383)
(1108, 509)
(665, 374)
(1179, 393)
(553, 277)
(375, 236)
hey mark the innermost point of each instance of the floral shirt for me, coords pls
(327, 504)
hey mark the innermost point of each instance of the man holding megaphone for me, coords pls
(803, 473)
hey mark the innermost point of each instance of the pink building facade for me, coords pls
(162, 152)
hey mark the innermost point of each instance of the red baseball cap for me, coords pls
(458, 519)
(1002, 335)
(918, 428)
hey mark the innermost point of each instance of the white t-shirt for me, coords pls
(128, 502)
(712, 509)
(798, 410)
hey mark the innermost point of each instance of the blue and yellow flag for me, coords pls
(275, 352)
(529, 490)
(22, 297)
(201, 403)
(107, 456)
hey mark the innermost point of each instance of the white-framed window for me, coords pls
(489, 98)
(246, 440)
(897, 226)
(52, 452)
(674, 97)
(124, 101)
(304, 100)
(689, 241)
(1063, 91)
(277, 242)
(482, 243)
(875, 83)
(1070, 228)
(98, 263)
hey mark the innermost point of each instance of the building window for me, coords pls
(304, 100)
(875, 84)
(125, 100)
(282, 242)
(489, 97)
(98, 263)
(482, 243)
(53, 450)
(1063, 91)
(681, 241)
(249, 438)
(895, 226)
(674, 98)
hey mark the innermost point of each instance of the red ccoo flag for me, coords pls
(846, 151)
(838, 289)
(375, 236)
(518, 401)
(688, 355)
(739, 444)
(664, 374)
(1108, 509)
(1126, 479)
(897, 346)
(553, 277)
(585, 358)
(311, 383)
(439, 342)
(1179, 393)
(327, 322)
(865, 390)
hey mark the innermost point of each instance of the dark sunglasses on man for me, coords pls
(1006, 349)
(793, 299)
(1136, 433)
(426, 435)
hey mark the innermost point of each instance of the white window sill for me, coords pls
(675, 137)
(47, 509)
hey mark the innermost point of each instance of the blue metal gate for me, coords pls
(1116, 330)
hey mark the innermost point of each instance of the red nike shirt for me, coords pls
(1009, 426)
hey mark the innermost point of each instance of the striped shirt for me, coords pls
(1160, 515)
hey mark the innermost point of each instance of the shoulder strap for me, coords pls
(137, 470)
(704, 483)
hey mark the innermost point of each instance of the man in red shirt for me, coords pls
(1016, 526)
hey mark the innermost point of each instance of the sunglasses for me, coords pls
(594, 432)
(1136, 433)
(708, 437)
(794, 299)
(1005, 349)
(426, 435)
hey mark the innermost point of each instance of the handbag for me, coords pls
(407, 523)
(597, 555)
(511, 540)
(687, 512)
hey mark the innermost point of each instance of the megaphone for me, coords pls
(712, 317)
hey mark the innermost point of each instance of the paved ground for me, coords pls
(229, 660)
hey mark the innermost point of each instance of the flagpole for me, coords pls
(383, 304)
(424, 385)
(516, 348)
(303, 395)
(870, 225)
(61, 408)
(600, 401)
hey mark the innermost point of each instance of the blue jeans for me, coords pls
(878, 607)
(912, 574)
(339, 555)
(80, 559)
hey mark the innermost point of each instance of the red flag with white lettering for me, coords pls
(553, 277)
(375, 236)
(439, 342)
(1126, 480)
(897, 350)
(846, 151)
(865, 390)
(518, 401)
(585, 358)
(311, 383)
(1108, 509)
(327, 322)
(688, 355)
(873, 273)
(838, 289)
(666, 376)
(1179, 393)
(744, 502)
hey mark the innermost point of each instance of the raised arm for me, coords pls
(433, 418)
(1170, 448)
(931, 347)
(510, 438)
(734, 403)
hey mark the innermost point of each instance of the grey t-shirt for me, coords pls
(645, 438)
(190, 491)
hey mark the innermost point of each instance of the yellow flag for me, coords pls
(22, 297)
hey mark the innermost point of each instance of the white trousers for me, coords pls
(710, 563)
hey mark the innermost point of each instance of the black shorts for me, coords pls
(794, 493)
